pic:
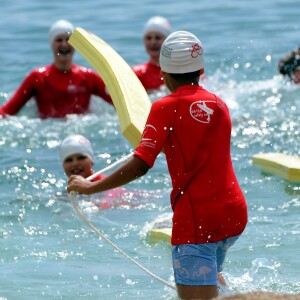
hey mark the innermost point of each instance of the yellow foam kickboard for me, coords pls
(130, 98)
(160, 235)
(284, 165)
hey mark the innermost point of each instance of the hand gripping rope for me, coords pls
(72, 196)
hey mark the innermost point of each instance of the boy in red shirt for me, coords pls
(193, 128)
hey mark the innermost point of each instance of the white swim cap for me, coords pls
(181, 52)
(158, 24)
(75, 144)
(60, 27)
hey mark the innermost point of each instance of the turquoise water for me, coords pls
(47, 252)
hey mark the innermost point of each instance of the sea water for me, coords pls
(47, 252)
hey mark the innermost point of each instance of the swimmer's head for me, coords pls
(158, 24)
(181, 52)
(76, 144)
(60, 27)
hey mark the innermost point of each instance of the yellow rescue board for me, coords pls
(130, 99)
(160, 235)
(284, 165)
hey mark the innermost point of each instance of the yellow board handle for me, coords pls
(130, 98)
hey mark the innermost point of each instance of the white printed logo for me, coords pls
(200, 110)
(148, 141)
(146, 130)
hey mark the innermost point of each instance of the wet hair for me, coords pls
(186, 76)
(290, 63)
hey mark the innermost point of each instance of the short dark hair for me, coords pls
(186, 76)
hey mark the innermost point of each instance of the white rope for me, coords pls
(122, 159)
(72, 197)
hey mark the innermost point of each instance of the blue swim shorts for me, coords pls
(199, 264)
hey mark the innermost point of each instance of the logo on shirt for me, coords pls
(73, 89)
(200, 110)
(148, 136)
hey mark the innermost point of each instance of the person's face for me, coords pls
(62, 50)
(153, 42)
(78, 164)
(296, 76)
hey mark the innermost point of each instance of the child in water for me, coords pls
(193, 128)
(77, 158)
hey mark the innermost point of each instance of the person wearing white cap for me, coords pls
(62, 87)
(76, 156)
(192, 127)
(156, 30)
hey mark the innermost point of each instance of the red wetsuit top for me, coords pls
(193, 127)
(111, 198)
(56, 92)
(149, 75)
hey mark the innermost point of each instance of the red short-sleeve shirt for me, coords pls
(193, 127)
(57, 92)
